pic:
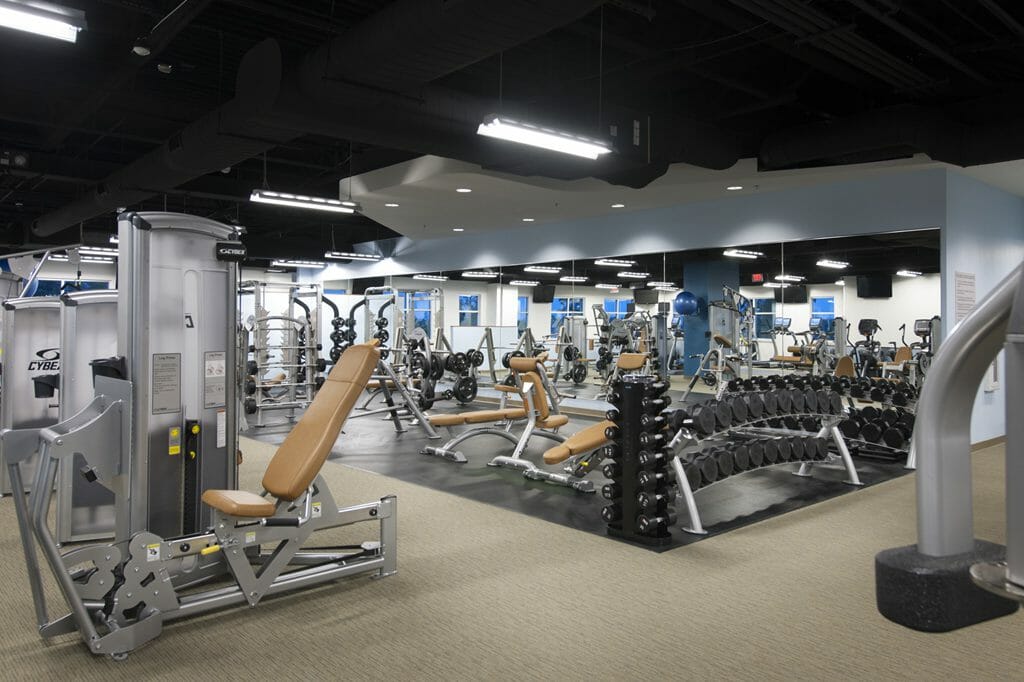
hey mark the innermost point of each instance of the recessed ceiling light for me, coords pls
(834, 264)
(391, 205)
(742, 253)
(458, 229)
(463, 190)
(618, 206)
(527, 220)
(908, 273)
(734, 188)
(615, 262)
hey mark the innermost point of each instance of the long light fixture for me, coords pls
(432, 278)
(537, 136)
(347, 255)
(840, 283)
(635, 275)
(114, 239)
(572, 279)
(523, 283)
(266, 196)
(668, 288)
(480, 274)
(776, 285)
(834, 264)
(789, 278)
(42, 18)
(96, 251)
(908, 273)
(657, 285)
(62, 258)
(607, 286)
(615, 262)
(742, 253)
(541, 268)
(293, 263)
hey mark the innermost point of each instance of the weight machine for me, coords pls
(161, 435)
(570, 347)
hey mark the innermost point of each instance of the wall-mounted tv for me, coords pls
(791, 294)
(544, 293)
(874, 286)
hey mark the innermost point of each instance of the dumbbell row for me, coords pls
(720, 463)
(891, 427)
(858, 387)
(715, 415)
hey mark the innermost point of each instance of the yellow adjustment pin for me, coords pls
(209, 550)
(195, 429)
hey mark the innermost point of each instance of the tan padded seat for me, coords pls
(299, 458)
(447, 419)
(553, 421)
(582, 441)
(795, 350)
(787, 358)
(903, 355)
(722, 341)
(526, 364)
(845, 368)
(630, 361)
(483, 416)
(239, 503)
(376, 385)
(506, 389)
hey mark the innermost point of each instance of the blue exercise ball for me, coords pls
(685, 303)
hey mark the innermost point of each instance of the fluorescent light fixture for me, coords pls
(607, 286)
(908, 273)
(480, 274)
(432, 278)
(668, 288)
(742, 253)
(276, 271)
(42, 18)
(391, 205)
(458, 229)
(775, 285)
(834, 264)
(734, 188)
(840, 283)
(293, 263)
(635, 275)
(96, 251)
(266, 196)
(615, 262)
(541, 268)
(537, 136)
(463, 190)
(348, 255)
(523, 283)
(114, 239)
(527, 220)
(572, 279)
(660, 285)
(618, 206)
(63, 258)
(789, 278)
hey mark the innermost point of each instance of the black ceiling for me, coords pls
(878, 254)
(791, 82)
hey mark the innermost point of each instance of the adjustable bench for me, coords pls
(120, 594)
(538, 415)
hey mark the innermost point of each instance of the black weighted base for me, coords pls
(935, 594)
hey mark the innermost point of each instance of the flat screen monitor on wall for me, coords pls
(874, 286)
(791, 294)
(645, 296)
(544, 293)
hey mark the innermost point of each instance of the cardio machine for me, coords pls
(161, 435)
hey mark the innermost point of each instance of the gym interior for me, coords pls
(547, 340)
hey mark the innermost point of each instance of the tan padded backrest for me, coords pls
(903, 354)
(844, 367)
(297, 462)
(525, 364)
(540, 396)
(630, 361)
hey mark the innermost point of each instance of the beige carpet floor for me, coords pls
(484, 593)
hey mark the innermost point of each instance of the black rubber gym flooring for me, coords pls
(371, 444)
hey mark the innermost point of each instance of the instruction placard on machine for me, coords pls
(166, 391)
(214, 378)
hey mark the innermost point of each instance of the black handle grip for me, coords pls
(274, 521)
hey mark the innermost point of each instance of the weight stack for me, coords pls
(626, 515)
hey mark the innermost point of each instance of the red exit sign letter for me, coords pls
(757, 278)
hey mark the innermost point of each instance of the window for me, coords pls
(617, 308)
(416, 306)
(564, 307)
(56, 287)
(824, 308)
(523, 316)
(764, 317)
(469, 310)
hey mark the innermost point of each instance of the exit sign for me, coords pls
(757, 277)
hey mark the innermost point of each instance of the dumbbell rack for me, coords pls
(301, 379)
(626, 516)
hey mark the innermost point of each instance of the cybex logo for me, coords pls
(49, 361)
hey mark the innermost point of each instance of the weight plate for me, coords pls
(436, 367)
(755, 406)
(578, 373)
(465, 389)
(505, 360)
(739, 409)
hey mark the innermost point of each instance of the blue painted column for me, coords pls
(705, 281)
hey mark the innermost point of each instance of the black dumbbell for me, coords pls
(871, 431)
(785, 448)
(611, 491)
(612, 470)
(897, 435)
(850, 428)
(708, 465)
(692, 471)
(784, 399)
(653, 502)
(650, 480)
(652, 459)
(770, 447)
(797, 446)
(612, 513)
(738, 406)
(650, 525)
(741, 457)
(725, 461)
